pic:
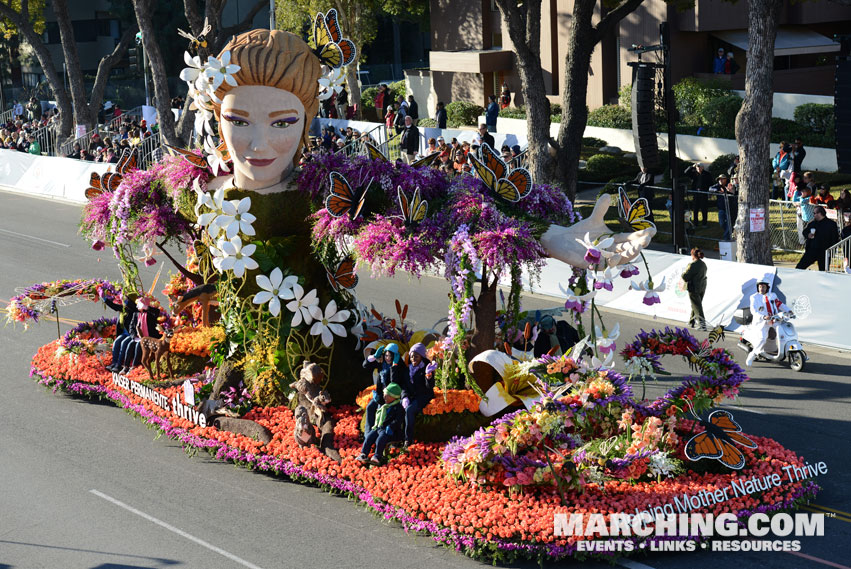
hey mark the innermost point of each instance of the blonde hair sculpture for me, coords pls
(274, 58)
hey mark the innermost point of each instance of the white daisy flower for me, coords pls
(237, 256)
(275, 288)
(220, 71)
(304, 306)
(329, 324)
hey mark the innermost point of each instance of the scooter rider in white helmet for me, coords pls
(764, 305)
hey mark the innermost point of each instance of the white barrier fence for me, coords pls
(47, 176)
(817, 298)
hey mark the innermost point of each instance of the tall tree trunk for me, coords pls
(753, 128)
(524, 29)
(574, 110)
(162, 98)
(21, 20)
(485, 311)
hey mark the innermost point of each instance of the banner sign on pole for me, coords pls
(757, 218)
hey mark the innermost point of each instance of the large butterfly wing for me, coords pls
(493, 161)
(344, 276)
(732, 429)
(636, 217)
(129, 161)
(731, 457)
(332, 24)
(111, 180)
(520, 181)
(375, 153)
(623, 202)
(404, 203)
(194, 159)
(342, 197)
(703, 445)
(425, 160)
(419, 207)
(349, 51)
(321, 33)
(331, 55)
(486, 174)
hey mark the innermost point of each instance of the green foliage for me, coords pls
(427, 123)
(35, 8)
(818, 118)
(367, 97)
(462, 113)
(612, 185)
(681, 165)
(592, 142)
(786, 130)
(692, 95)
(518, 112)
(721, 164)
(625, 97)
(610, 116)
(719, 115)
(604, 167)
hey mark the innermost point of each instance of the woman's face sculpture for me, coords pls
(262, 127)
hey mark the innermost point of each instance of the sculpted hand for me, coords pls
(563, 243)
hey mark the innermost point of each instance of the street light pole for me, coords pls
(271, 14)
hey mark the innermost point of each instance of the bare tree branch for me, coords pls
(107, 63)
(611, 19)
(245, 24)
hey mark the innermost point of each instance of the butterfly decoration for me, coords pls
(375, 154)
(331, 47)
(719, 441)
(512, 185)
(344, 276)
(199, 41)
(109, 181)
(413, 210)
(198, 160)
(342, 200)
(634, 213)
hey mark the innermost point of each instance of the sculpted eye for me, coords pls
(235, 121)
(285, 123)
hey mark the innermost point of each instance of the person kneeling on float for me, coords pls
(764, 305)
(388, 426)
(419, 391)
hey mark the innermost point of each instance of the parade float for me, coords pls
(257, 356)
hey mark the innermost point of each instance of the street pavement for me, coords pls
(86, 486)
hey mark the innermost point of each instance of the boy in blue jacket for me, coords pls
(391, 369)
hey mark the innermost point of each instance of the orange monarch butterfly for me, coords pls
(634, 213)
(413, 210)
(344, 276)
(716, 442)
(512, 185)
(377, 154)
(342, 198)
(110, 181)
(196, 160)
(333, 50)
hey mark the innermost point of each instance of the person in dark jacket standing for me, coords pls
(701, 180)
(491, 113)
(419, 391)
(798, 155)
(695, 279)
(440, 115)
(410, 140)
(391, 369)
(413, 110)
(820, 234)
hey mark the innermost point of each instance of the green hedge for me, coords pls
(818, 118)
(719, 115)
(462, 113)
(367, 96)
(610, 116)
(604, 167)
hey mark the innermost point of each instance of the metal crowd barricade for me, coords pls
(47, 139)
(785, 225)
(836, 258)
(7, 115)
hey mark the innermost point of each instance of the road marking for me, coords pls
(16, 234)
(745, 409)
(629, 564)
(817, 560)
(831, 513)
(178, 531)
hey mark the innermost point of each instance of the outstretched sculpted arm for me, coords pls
(561, 242)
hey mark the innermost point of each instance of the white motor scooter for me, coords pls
(782, 332)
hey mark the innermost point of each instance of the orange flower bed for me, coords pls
(486, 523)
(455, 401)
(196, 341)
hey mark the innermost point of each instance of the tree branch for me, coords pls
(108, 62)
(245, 24)
(608, 21)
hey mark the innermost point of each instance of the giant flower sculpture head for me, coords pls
(264, 118)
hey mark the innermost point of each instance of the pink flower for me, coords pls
(98, 245)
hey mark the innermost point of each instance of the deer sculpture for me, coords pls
(205, 294)
(153, 349)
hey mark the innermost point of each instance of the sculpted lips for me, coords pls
(260, 163)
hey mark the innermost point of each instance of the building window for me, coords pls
(31, 80)
(86, 30)
(51, 33)
(496, 39)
